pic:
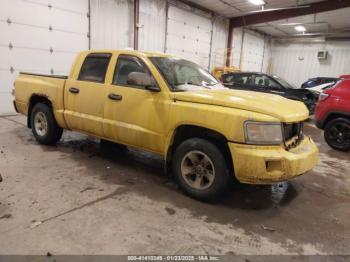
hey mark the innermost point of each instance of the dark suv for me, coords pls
(269, 84)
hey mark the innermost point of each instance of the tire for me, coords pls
(337, 134)
(44, 126)
(210, 160)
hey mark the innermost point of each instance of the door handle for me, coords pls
(115, 97)
(74, 90)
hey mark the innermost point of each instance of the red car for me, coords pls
(333, 115)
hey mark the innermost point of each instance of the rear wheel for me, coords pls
(44, 126)
(337, 134)
(200, 169)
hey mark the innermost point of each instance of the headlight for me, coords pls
(264, 133)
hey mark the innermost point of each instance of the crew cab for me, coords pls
(333, 115)
(207, 134)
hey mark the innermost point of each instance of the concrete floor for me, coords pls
(75, 199)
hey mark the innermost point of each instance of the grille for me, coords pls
(292, 134)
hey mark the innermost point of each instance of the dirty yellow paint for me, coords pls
(251, 162)
(149, 120)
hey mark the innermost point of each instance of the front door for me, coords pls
(133, 114)
(85, 96)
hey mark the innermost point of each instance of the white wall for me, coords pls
(251, 51)
(189, 34)
(237, 44)
(298, 62)
(219, 41)
(112, 24)
(267, 59)
(111, 27)
(152, 22)
(35, 48)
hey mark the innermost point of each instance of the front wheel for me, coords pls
(44, 126)
(200, 169)
(337, 134)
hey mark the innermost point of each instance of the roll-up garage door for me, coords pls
(112, 24)
(188, 35)
(252, 53)
(39, 36)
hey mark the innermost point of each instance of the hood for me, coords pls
(285, 110)
(301, 94)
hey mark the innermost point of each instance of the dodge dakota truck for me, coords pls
(208, 135)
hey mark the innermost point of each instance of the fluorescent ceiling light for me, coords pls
(257, 2)
(300, 28)
(290, 24)
(308, 23)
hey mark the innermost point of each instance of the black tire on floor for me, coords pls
(53, 132)
(204, 148)
(332, 133)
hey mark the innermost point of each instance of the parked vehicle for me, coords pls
(207, 134)
(321, 88)
(344, 77)
(333, 115)
(316, 81)
(218, 71)
(270, 84)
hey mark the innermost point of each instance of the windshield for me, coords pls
(182, 75)
(284, 83)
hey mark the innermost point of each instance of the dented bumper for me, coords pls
(269, 164)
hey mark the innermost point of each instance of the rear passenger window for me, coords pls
(94, 68)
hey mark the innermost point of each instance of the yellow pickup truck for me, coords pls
(207, 134)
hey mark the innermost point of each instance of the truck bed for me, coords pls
(53, 76)
(29, 85)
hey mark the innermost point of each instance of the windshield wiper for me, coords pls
(213, 84)
(188, 83)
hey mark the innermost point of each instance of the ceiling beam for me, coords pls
(265, 17)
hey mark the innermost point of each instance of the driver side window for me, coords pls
(125, 66)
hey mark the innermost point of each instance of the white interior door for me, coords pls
(188, 35)
(39, 36)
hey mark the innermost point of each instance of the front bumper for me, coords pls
(255, 164)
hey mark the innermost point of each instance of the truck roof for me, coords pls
(129, 51)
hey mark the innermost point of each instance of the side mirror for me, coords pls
(142, 79)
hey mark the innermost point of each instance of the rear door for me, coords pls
(85, 95)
